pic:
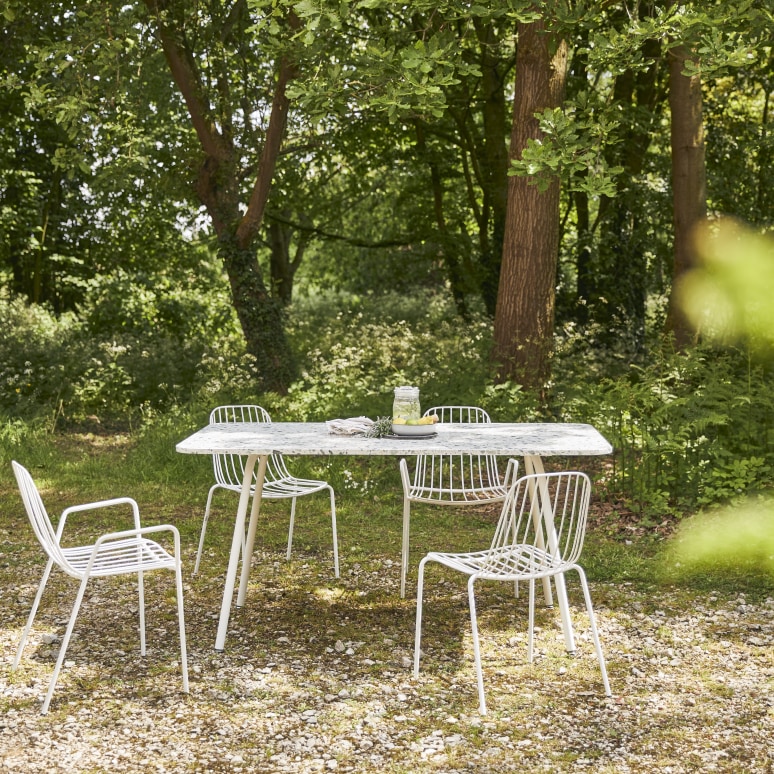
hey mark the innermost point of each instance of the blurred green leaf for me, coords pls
(730, 294)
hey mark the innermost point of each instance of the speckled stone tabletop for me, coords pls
(313, 438)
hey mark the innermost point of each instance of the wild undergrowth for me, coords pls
(689, 430)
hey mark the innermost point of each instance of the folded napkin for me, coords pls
(352, 426)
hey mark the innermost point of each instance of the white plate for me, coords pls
(413, 430)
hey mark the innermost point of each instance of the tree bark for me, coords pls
(688, 182)
(524, 319)
(258, 313)
(283, 267)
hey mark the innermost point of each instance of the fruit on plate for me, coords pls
(429, 420)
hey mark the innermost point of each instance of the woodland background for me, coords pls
(304, 204)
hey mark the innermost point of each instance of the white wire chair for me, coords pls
(116, 553)
(278, 484)
(539, 535)
(451, 479)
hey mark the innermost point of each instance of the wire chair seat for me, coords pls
(460, 495)
(117, 557)
(278, 483)
(506, 563)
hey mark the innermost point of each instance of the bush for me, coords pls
(688, 429)
(136, 347)
(357, 356)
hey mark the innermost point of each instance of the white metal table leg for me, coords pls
(534, 464)
(247, 559)
(236, 547)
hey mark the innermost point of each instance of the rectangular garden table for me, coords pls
(257, 441)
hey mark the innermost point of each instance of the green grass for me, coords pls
(282, 657)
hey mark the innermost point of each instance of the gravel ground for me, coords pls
(316, 677)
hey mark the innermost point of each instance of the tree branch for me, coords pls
(319, 232)
(251, 220)
(186, 77)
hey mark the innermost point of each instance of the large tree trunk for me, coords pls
(524, 319)
(260, 315)
(688, 181)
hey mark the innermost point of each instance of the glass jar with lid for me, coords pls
(406, 403)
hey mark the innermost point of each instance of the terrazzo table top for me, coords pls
(313, 438)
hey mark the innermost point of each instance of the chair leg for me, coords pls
(204, 528)
(181, 620)
(404, 552)
(335, 534)
(141, 590)
(65, 642)
(33, 612)
(292, 524)
(594, 631)
(476, 646)
(418, 628)
(531, 624)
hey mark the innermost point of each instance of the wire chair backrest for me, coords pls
(229, 469)
(547, 512)
(459, 414)
(38, 516)
(457, 477)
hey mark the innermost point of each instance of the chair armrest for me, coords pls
(99, 504)
(125, 533)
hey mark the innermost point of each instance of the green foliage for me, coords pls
(726, 538)
(572, 146)
(36, 351)
(728, 296)
(139, 347)
(96, 173)
(355, 358)
(688, 430)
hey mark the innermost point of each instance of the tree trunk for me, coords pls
(283, 267)
(259, 314)
(448, 250)
(524, 319)
(688, 181)
(618, 280)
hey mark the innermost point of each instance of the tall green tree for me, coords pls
(220, 72)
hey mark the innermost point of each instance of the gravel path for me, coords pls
(317, 677)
